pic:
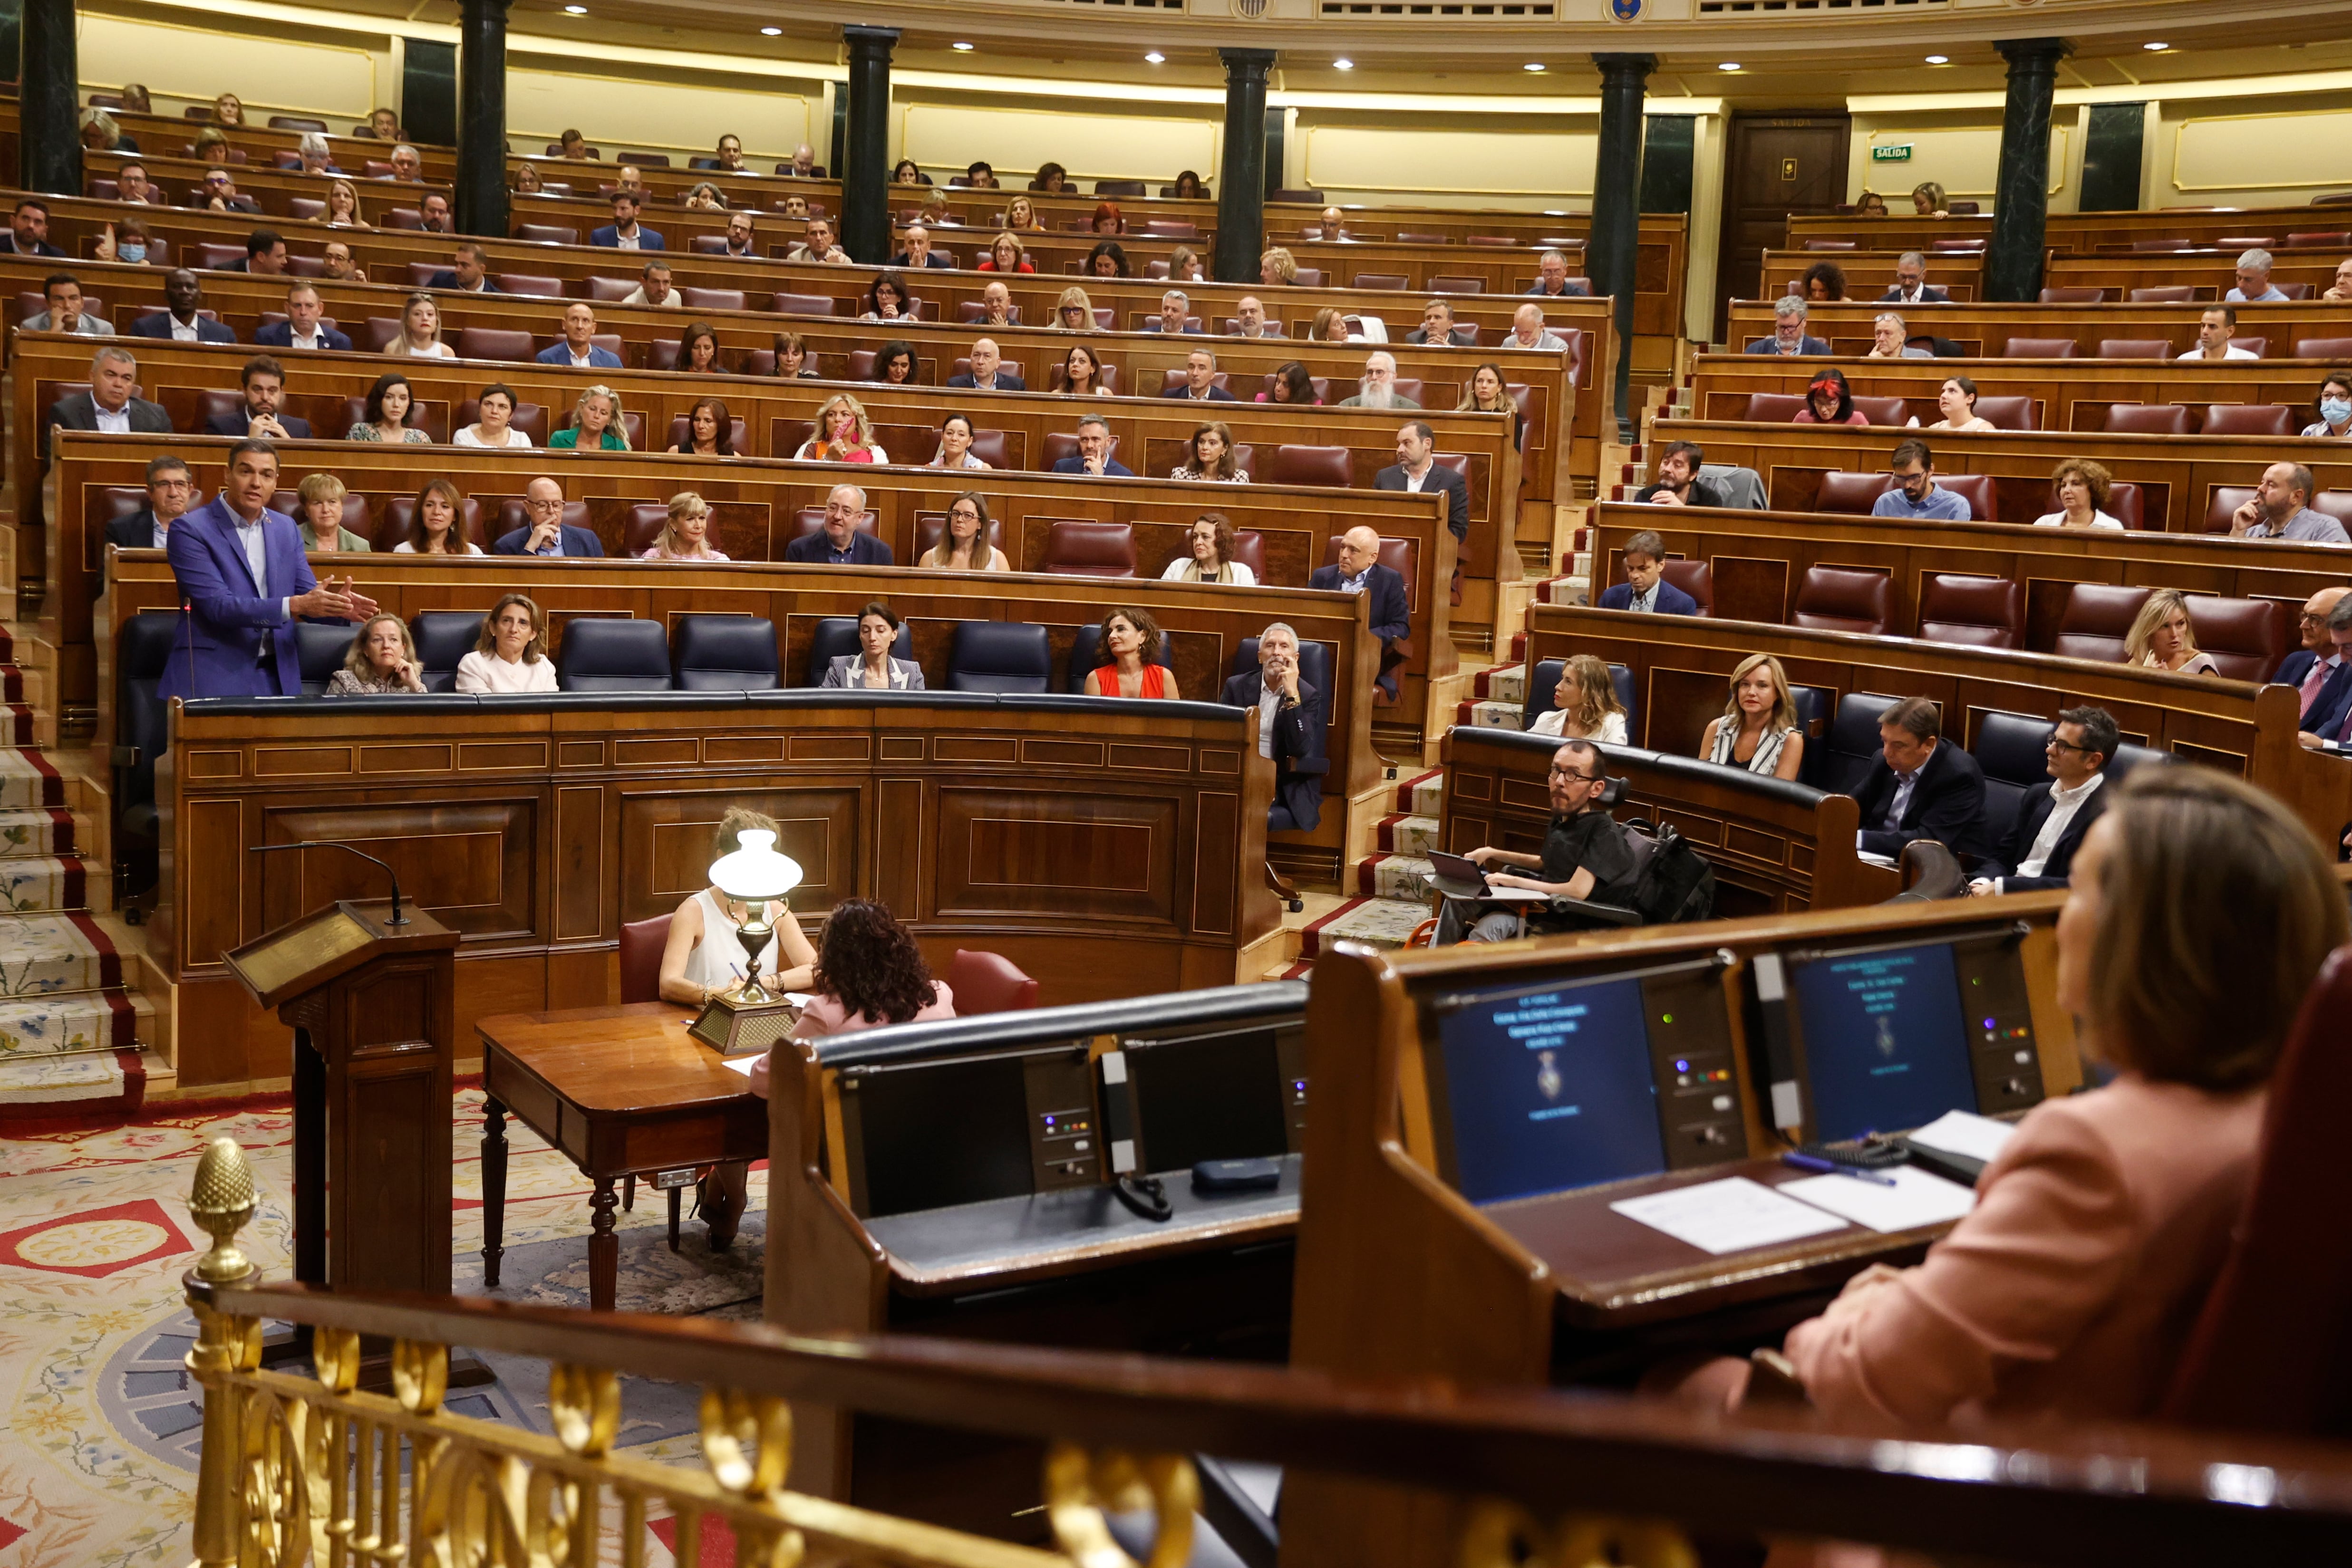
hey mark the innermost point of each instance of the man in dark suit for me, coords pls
(2321, 670)
(1200, 383)
(1094, 453)
(2039, 851)
(1417, 468)
(1175, 314)
(988, 372)
(625, 233)
(171, 491)
(305, 325)
(240, 570)
(919, 252)
(1360, 571)
(265, 255)
(264, 380)
(183, 296)
(28, 230)
(841, 542)
(1437, 326)
(1551, 277)
(1789, 334)
(465, 272)
(108, 405)
(1290, 727)
(1920, 787)
(1911, 285)
(547, 533)
(1646, 587)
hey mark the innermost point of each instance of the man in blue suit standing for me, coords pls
(578, 349)
(840, 542)
(547, 533)
(625, 233)
(1360, 571)
(1646, 587)
(178, 321)
(1094, 453)
(245, 582)
(305, 325)
(2322, 668)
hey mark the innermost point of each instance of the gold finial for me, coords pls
(222, 1204)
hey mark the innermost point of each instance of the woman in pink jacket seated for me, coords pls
(868, 973)
(2198, 916)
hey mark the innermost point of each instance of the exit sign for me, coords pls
(1891, 155)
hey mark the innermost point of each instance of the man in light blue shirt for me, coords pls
(2254, 285)
(2280, 510)
(1916, 492)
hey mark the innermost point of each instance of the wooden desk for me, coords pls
(620, 1092)
(2074, 233)
(1983, 331)
(1870, 273)
(165, 134)
(2212, 273)
(270, 188)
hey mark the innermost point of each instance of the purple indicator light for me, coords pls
(1681, 1066)
(1987, 1023)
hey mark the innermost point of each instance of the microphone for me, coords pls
(397, 919)
(188, 624)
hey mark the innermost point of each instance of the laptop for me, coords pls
(1458, 877)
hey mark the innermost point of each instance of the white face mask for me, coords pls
(131, 253)
(2336, 410)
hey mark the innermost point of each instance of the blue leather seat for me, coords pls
(1851, 745)
(141, 735)
(2128, 757)
(835, 636)
(1314, 668)
(599, 655)
(1086, 656)
(723, 653)
(1814, 705)
(2013, 749)
(442, 638)
(1000, 656)
(320, 647)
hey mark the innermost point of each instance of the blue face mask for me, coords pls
(131, 253)
(2336, 410)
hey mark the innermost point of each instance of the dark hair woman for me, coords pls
(894, 363)
(1822, 280)
(1828, 402)
(710, 431)
(1188, 187)
(1131, 646)
(1052, 178)
(1107, 260)
(868, 973)
(1291, 384)
(698, 349)
(391, 413)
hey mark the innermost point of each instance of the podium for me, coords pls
(372, 1007)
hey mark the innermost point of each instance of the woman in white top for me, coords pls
(2162, 639)
(1209, 556)
(420, 331)
(955, 444)
(2335, 407)
(1959, 402)
(2081, 486)
(1211, 457)
(1759, 727)
(511, 655)
(1584, 705)
(435, 529)
(704, 957)
(494, 411)
(687, 535)
(1081, 372)
(965, 546)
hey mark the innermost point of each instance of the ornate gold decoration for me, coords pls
(420, 1376)
(747, 1440)
(1081, 1487)
(585, 1403)
(222, 1204)
(335, 1359)
(1504, 1535)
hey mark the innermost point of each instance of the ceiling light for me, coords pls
(771, 32)
(961, 47)
(1728, 65)
(1939, 60)
(575, 10)
(1343, 64)
(1535, 65)
(2155, 45)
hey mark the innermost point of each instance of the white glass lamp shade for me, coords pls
(755, 871)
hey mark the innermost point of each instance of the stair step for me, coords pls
(1370, 922)
(1490, 715)
(29, 830)
(29, 779)
(33, 1027)
(41, 883)
(1405, 834)
(1399, 877)
(96, 1084)
(56, 954)
(1501, 684)
(1423, 794)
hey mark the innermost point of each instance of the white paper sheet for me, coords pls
(1966, 1133)
(1917, 1197)
(742, 1064)
(1730, 1215)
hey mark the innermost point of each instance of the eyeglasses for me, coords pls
(2069, 746)
(1572, 773)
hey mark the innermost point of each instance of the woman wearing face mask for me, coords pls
(129, 240)
(2335, 407)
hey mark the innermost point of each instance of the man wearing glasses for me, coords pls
(1586, 855)
(2039, 851)
(547, 533)
(2321, 670)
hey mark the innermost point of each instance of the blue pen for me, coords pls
(1830, 1167)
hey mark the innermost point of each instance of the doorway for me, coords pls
(1774, 165)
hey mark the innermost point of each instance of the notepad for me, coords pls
(1966, 1133)
(1917, 1197)
(742, 1064)
(1730, 1215)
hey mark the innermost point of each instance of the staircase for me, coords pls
(73, 1035)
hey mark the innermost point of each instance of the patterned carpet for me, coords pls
(99, 1470)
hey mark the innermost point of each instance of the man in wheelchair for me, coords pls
(1587, 874)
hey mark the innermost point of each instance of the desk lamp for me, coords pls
(748, 1019)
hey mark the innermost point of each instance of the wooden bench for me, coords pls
(1870, 273)
(1983, 331)
(2076, 233)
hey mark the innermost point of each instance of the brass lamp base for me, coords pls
(734, 1025)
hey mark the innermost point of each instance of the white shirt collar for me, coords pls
(2062, 796)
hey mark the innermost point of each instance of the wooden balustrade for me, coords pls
(1870, 273)
(163, 134)
(1983, 331)
(2074, 233)
(2212, 273)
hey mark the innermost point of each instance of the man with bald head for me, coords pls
(803, 162)
(545, 532)
(1528, 331)
(2321, 670)
(1358, 570)
(840, 541)
(1289, 729)
(988, 372)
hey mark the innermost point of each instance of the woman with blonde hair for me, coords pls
(1209, 456)
(1006, 255)
(687, 535)
(1184, 266)
(1759, 729)
(1331, 326)
(511, 655)
(420, 331)
(321, 519)
(1021, 213)
(845, 434)
(1484, 393)
(1277, 267)
(1131, 646)
(1209, 555)
(344, 206)
(527, 182)
(211, 148)
(437, 526)
(1927, 200)
(1584, 705)
(2162, 639)
(596, 425)
(964, 546)
(381, 662)
(1074, 312)
(703, 959)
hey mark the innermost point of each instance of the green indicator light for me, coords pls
(1665, 1018)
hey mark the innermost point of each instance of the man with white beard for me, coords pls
(1379, 386)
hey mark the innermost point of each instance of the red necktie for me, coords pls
(2314, 681)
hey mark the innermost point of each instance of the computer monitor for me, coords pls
(932, 1134)
(1545, 1087)
(1885, 1038)
(1221, 1096)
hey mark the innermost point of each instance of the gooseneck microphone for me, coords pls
(397, 919)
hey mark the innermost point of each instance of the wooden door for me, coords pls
(1775, 164)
